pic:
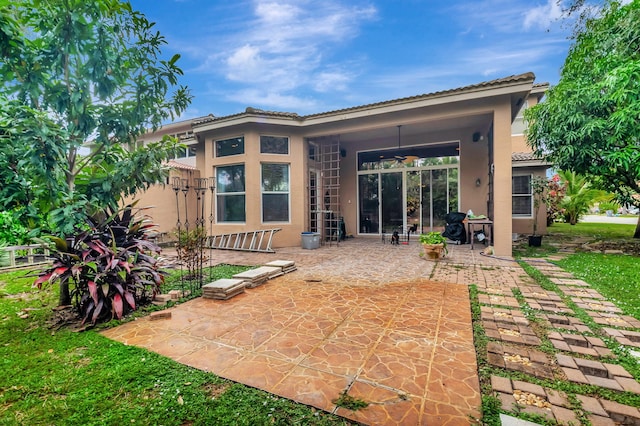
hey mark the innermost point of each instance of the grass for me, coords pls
(593, 231)
(347, 401)
(174, 282)
(62, 377)
(614, 276)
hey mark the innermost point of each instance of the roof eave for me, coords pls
(530, 163)
(243, 118)
(420, 102)
(513, 85)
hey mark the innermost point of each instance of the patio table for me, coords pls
(471, 226)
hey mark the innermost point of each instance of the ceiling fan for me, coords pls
(407, 159)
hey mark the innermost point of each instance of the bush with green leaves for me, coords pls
(111, 266)
(555, 195)
(12, 232)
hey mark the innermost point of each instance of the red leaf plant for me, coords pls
(111, 265)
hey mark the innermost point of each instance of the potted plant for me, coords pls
(538, 188)
(434, 244)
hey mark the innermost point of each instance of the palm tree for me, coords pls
(579, 195)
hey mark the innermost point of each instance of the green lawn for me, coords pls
(61, 377)
(592, 231)
(616, 277)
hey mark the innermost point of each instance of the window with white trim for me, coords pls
(185, 152)
(230, 190)
(521, 196)
(275, 192)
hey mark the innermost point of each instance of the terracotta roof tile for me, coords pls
(178, 165)
(524, 156)
(248, 111)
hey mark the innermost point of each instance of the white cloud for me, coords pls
(331, 81)
(246, 63)
(303, 56)
(288, 45)
(543, 16)
(276, 12)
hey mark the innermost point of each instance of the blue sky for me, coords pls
(310, 56)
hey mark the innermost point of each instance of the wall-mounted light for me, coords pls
(477, 136)
(478, 182)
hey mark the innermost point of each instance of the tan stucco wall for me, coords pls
(349, 190)
(161, 202)
(524, 225)
(521, 225)
(474, 164)
(252, 159)
(519, 144)
(519, 141)
(502, 206)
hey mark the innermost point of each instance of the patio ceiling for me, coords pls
(414, 128)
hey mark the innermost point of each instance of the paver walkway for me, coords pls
(383, 325)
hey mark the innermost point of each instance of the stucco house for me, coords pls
(374, 168)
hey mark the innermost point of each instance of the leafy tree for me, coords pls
(589, 121)
(81, 81)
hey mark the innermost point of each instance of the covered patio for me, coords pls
(373, 320)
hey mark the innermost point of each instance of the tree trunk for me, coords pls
(637, 233)
(65, 296)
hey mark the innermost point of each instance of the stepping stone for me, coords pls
(223, 289)
(286, 265)
(259, 276)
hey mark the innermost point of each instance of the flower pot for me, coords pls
(535, 240)
(433, 251)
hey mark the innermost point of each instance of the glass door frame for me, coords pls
(422, 227)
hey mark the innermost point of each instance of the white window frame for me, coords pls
(530, 195)
(224, 194)
(287, 192)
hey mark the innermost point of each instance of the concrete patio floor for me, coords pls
(373, 320)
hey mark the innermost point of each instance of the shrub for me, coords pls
(555, 195)
(111, 266)
(189, 249)
(12, 232)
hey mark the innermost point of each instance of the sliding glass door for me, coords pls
(398, 200)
